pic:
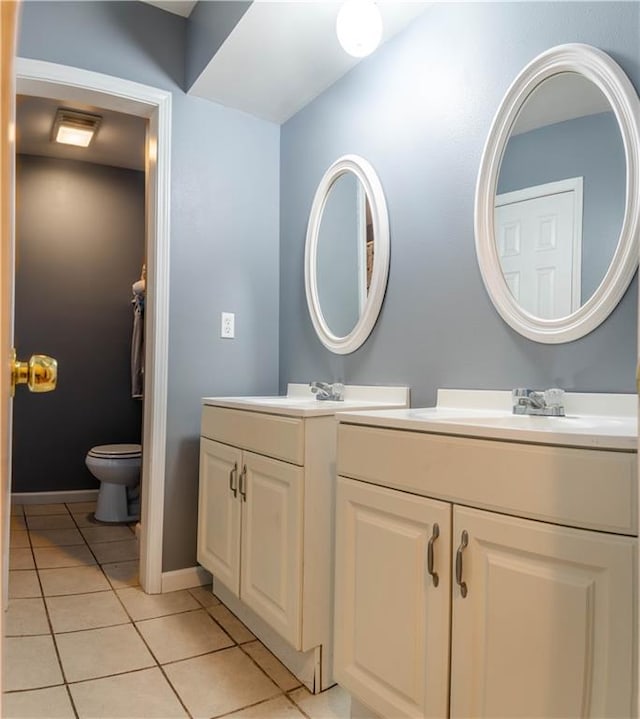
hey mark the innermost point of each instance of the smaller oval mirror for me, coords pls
(557, 209)
(346, 254)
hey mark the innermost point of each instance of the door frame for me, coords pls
(50, 80)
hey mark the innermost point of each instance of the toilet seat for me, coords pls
(116, 451)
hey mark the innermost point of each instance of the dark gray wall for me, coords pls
(419, 110)
(224, 227)
(80, 246)
(588, 147)
(208, 26)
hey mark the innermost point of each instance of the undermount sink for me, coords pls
(592, 420)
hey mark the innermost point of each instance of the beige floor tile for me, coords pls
(149, 606)
(18, 522)
(102, 652)
(218, 683)
(24, 583)
(138, 694)
(52, 703)
(31, 663)
(335, 703)
(79, 507)
(57, 557)
(33, 509)
(124, 551)
(72, 580)
(55, 537)
(278, 708)
(19, 538)
(85, 611)
(204, 595)
(50, 521)
(20, 558)
(122, 574)
(272, 666)
(17, 510)
(85, 519)
(231, 624)
(180, 636)
(25, 617)
(116, 533)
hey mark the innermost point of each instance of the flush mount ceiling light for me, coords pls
(74, 128)
(359, 27)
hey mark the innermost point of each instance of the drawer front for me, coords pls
(587, 488)
(268, 434)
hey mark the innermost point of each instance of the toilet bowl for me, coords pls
(117, 466)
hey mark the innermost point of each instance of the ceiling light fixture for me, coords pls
(359, 27)
(74, 128)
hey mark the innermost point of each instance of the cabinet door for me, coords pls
(272, 543)
(391, 622)
(219, 512)
(547, 626)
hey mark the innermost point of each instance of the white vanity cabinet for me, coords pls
(546, 624)
(266, 517)
(250, 531)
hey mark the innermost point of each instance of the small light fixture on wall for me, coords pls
(74, 128)
(359, 27)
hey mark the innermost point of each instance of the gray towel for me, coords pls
(137, 348)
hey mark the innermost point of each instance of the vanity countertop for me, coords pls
(300, 402)
(596, 421)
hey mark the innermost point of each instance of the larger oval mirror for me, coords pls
(556, 200)
(346, 254)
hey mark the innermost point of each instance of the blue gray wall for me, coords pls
(419, 110)
(337, 256)
(80, 246)
(588, 147)
(224, 226)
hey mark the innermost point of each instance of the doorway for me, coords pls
(59, 82)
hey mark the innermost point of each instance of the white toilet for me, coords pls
(117, 466)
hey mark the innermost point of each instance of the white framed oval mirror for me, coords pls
(558, 195)
(346, 254)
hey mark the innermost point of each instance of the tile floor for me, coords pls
(83, 640)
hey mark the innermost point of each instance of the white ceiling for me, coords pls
(282, 55)
(177, 7)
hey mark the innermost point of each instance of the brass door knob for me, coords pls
(40, 373)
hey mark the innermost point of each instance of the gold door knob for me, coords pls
(40, 373)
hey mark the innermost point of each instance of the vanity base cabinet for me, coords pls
(391, 620)
(546, 628)
(250, 531)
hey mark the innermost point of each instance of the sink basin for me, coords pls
(608, 422)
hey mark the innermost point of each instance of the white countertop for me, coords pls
(300, 402)
(597, 421)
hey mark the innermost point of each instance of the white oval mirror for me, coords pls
(557, 207)
(346, 254)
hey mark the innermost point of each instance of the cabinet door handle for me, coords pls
(464, 542)
(233, 480)
(434, 535)
(243, 483)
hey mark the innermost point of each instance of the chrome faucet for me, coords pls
(327, 391)
(547, 403)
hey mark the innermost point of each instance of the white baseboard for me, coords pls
(75, 495)
(185, 579)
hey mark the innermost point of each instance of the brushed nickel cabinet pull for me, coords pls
(464, 542)
(243, 483)
(233, 480)
(434, 535)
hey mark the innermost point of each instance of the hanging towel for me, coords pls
(137, 342)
